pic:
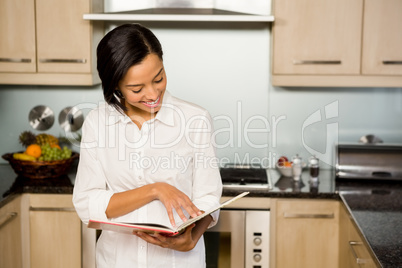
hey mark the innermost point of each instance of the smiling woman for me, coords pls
(140, 118)
(142, 89)
(121, 49)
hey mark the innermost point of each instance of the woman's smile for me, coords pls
(143, 87)
(152, 104)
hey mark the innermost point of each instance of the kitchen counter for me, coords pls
(12, 185)
(286, 187)
(375, 206)
(377, 210)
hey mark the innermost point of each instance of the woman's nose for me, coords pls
(152, 93)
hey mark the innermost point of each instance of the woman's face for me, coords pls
(143, 87)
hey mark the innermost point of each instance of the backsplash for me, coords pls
(226, 69)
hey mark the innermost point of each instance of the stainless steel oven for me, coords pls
(240, 239)
(369, 161)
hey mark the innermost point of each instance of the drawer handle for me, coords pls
(63, 60)
(383, 174)
(311, 216)
(7, 218)
(326, 62)
(392, 62)
(351, 245)
(50, 209)
(15, 60)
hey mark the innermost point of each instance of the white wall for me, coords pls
(346, 115)
(227, 72)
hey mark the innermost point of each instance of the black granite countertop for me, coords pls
(375, 206)
(377, 210)
(286, 187)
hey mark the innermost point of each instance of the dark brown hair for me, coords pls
(121, 48)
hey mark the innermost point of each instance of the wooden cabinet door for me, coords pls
(63, 36)
(353, 252)
(10, 235)
(359, 255)
(382, 37)
(17, 30)
(55, 232)
(344, 223)
(317, 37)
(306, 233)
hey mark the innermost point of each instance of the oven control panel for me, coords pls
(257, 239)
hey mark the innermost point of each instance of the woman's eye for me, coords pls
(136, 91)
(158, 81)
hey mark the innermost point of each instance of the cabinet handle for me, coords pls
(7, 218)
(392, 62)
(356, 243)
(62, 60)
(312, 216)
(326, 62)
(15, 60)
(50, 209)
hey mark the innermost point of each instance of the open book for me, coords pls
(129, 228)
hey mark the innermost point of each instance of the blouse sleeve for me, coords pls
(91, 194)
(207, 183)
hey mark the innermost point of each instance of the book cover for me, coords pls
(129, 228)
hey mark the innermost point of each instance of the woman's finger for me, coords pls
(170, 214)
(192, 209)
(185, 203)
(180, 213)
(148, 238)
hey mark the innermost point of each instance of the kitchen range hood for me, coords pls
(191, 10)
(179, 14)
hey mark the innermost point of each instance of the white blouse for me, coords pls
(116, 156)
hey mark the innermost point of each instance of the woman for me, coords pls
(146, 156)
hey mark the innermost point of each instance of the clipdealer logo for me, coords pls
(332, 131)
(232, 135)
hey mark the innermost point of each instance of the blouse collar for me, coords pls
(165, 114)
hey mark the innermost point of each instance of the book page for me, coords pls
(206, 213)
(129, 228)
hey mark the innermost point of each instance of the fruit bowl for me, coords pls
(287, 171)
(40, 169)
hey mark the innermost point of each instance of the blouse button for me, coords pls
(140, 177)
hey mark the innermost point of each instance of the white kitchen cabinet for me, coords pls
(337, 43)
(10, 234)
(47, 42)
(305, 233)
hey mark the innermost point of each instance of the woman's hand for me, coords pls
(172, 198)
(183, 242)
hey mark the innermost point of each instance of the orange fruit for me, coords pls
(287, 164)
(33, 150)
(55, 146)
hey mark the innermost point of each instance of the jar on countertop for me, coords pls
(313, 166)
(297, 167)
